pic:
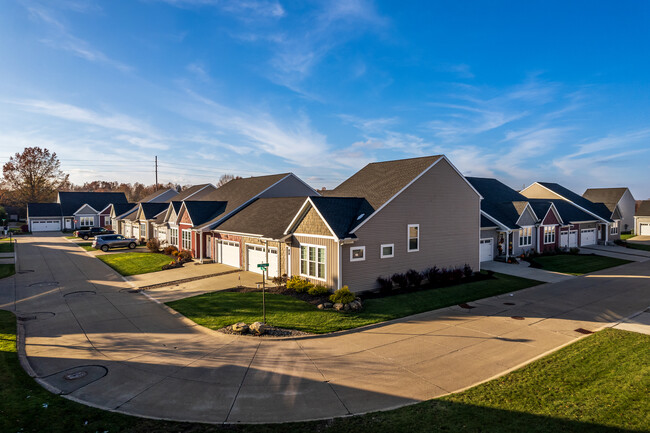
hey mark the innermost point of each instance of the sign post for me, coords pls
(264, 267)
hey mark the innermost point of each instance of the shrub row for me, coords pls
(342, 295)
(412, 278)
(304, 286)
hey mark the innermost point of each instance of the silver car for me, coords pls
(106, 242)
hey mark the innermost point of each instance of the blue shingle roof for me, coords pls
(72, 201)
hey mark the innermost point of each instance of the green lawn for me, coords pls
(218, 309)
(87, 246)
(627, 236)
(135, 263)
(72, 237)
(6, 247)
(578, 264)
(599, 384)
(636, 246)
(7, 270)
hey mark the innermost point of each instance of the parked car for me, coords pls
(107, 242)
(92, 232)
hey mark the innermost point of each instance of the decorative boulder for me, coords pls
(346, 307)
(259, 328)
(240, 328)
(321, 306)
(327, 305)
(338, 306)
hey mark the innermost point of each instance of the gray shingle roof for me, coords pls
(599, 210)
(266, 217)
(202, 211)
(71, 201)
(123, 208)
(44, 210)
(162, 196)
(643, 209)
(150, 210)
(487, 223)
(378, 182)
(499, 200)
(605, 195)
(343, 214)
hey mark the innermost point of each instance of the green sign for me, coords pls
(263, 265)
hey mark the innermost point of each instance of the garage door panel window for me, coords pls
(312, 261)
(525, 237)
(549, 235)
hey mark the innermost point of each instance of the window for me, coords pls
(357, 254)
(187, 239)
(413, 237)
(107, 221)
(143, 230)
(613, 230)
(173, 236)
(312, 261)
(387, 251)
(86, 221)
(549, 235)
(526, 237)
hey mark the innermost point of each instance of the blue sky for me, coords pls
(520, 91)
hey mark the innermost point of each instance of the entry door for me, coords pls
(208, 247)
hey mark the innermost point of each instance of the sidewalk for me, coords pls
(524, 270)
(617, 252)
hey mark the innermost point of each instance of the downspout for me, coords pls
(266, 258)
(340, 263)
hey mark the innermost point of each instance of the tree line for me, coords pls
(35, 176)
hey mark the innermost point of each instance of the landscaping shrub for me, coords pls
(414, 278)
(400, 280)
(24, 228)
(456, 274)
(172, 265)
(299, 285)
(169, 250)
(467, 271)
(385, 284)
(318, 290)
(574, 251)
(433, 275)
(185, 256)
(153, 245)
(342, 295)
(280, 280)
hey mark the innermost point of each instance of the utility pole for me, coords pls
(156, 163)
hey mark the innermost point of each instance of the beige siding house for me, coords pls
(389, 217)
(642, 219)
(614, 198)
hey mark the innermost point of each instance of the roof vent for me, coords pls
(361, 216)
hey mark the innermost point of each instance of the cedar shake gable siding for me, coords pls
(447, 210)
(313, 224)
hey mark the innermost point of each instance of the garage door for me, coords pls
(46, 225)
(256, 254)
(487, 252)
(229, 253)
(573, 239)
(588, 237)
(644, 230)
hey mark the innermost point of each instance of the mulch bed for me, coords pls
(272, 332)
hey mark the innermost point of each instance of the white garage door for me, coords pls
(46, 225)
(487, 251)
(256, 254)
(564, 239)
(573, 239)
(229, 253)
(644, 230)
(588, 237)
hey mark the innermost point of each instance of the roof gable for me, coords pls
(265, 217)
(85, 209)
(73, 201)
(200, 212)
(643, 209)
(605, 195)
(600, 212)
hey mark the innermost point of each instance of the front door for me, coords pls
(208, 247)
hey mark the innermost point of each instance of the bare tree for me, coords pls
(33, 176)
(224, 179)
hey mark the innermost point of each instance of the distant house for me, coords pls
(607, 222)
(642, 219)
(72, 210)
(613, 198)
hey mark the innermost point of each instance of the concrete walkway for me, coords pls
(617, 252)
(86, 335)
(524, 270)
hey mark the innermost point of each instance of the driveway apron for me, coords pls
(91, 338)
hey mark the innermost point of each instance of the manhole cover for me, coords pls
(76, 375)
(466, 306)
(38, 315)
(45, 284)
(509, 303)
(517, 317)
(583, 331)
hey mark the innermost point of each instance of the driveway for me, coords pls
(88, 337)
(524, 270)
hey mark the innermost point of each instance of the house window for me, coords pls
(107, 221)
(312, 261)
(357, 254)
(387, 251)
(143, 230)
(613, 230)
(173, 236)
(549, 235)
(413, 237)
(526, 237)
(187, 239)
(86, 221)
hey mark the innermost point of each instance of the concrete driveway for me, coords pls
(85, 335)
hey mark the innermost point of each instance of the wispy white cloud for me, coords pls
(60, 38)
(199, 70)
(244, 8)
